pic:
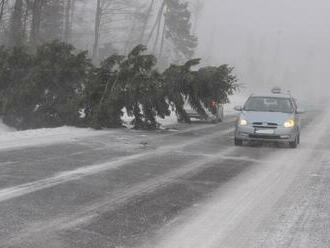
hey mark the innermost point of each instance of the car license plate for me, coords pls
(265, 131)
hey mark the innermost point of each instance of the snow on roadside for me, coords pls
(44, 136)
(167, 121)
(4, 128)
(235, 214)
(11, 138)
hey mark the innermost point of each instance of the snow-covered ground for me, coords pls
(236, 214)
(10, 138)
(169, 120)
(4, 128)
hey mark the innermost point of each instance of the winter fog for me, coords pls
(164, 123)
(285, 43)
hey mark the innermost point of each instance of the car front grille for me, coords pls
(259, 136)
(265, 125)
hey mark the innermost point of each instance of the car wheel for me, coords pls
(238, 142)
(215, 121)
(294, 144)
(219, 119)
(221, 116)
(181, 120)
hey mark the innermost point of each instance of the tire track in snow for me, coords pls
(86, 214)
(46, 136)
(290, 225)
(77, 174)
(230, 218)
(100, 145)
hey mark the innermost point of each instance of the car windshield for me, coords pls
(269, 104)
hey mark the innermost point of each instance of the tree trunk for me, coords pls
(146, 20)
(36, 19)
(2, 8)
(158, 27)
(197, 12)
(130, 36)
(157, 22)
(162, 43)
(98, 18)
(26, 18)
(73, 5)
(16, 25)
(68, 21)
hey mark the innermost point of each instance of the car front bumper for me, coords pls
(279, 134)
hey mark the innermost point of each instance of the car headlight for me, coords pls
(243, 122)
(289, 124)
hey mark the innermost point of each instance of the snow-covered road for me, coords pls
(273, 205)
(185, 188)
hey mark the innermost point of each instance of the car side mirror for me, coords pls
(238, 108)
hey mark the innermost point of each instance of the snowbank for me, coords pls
(12, 139)
(4, 128)
(44, 136)
(169, 120)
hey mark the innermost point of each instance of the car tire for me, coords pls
(294, 144)
(181, 120)
(221, 116)
(238, 142)
(216, 121)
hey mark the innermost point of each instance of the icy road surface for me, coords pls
(181, 188)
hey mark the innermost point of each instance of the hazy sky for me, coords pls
(270, 42)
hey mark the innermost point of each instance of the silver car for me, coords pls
(273, 117)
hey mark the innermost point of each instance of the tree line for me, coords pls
(46, 82)
(104, 27)
(56, 85)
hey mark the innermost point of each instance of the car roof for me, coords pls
(273, 95)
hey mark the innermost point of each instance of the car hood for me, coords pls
(273, 117)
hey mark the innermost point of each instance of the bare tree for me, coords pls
(16, 25)
(172, 30)
(117, 21)
(147, 17)
(158, 24)
(2, 6)
(197, 9)
(98, 18)
(36, 19)
(68, 21)
(157, 21)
